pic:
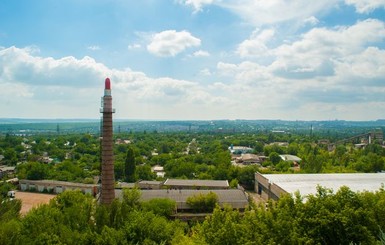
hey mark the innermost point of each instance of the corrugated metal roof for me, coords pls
(234, 197)
(56, 183)
(192, 183)
(307, 183)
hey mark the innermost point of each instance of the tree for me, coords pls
(130, 166)
(144, 172)
(203, 202)
(274, 158)
(160, 206)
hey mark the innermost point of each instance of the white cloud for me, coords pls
(134, 46)
(321, 48)
(205, 72)
(311, 20)
(44, 87)
(196, 4)
(366, 6)
(93, 47)
(256, 45)
(171, 43)
(261, 12)
(201, 53)
(325, 72)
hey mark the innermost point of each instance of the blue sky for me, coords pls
(194, 59)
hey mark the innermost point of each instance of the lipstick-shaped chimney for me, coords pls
(108, 178)
(107, 87)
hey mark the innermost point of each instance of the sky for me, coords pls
(193, 59)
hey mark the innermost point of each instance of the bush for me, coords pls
(203, 202)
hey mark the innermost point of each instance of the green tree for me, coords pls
(160, 206)
(274, 158)
(130, 166)
(203, 202)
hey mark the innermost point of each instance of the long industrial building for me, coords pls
(273, 186)
(235, 198)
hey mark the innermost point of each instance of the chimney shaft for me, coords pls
(108, 178)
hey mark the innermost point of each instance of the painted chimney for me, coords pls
(107, 194)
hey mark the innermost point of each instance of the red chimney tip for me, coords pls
(107, 84)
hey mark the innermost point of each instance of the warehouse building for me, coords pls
(56, 187)
(272, 186)
(196, 184)
(235, 198)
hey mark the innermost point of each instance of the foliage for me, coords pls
(326, 218)
(131, 197)
(160, 206)
(130, 166)
(203, 202)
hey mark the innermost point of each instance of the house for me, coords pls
(248, 159)
(6, 171)
(237, 150)
(158, 170)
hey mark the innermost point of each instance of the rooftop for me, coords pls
(234, 197)
(307, 183)
(192, 183)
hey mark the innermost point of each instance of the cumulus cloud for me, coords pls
(256, 45)
(21, 66)
(171, 43)
(260, 12)
(196, 4)
(201, 53)
(134, 46)
(326, 71)
(366, 6)
(205, 72)
(317, 52)
(68, 87)
(93, 47)
(311, 21)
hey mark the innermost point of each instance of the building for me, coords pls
(196, 184)
(248, 159)
(159, 171)
(6, 171)
(237, 150)
(235, 198)
(149, 185)
(273, 186)
(290, 158)
(56, 187)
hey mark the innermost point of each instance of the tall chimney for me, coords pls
(108, 178)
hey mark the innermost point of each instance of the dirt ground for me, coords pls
(30, 200)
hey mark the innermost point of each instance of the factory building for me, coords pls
(273, 186)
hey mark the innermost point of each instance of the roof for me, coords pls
(234, 197)
(249, 157)
(307, 183)
(56, 183)
(192, 183)
(287, 157)
(150, 182)
(7, 168)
